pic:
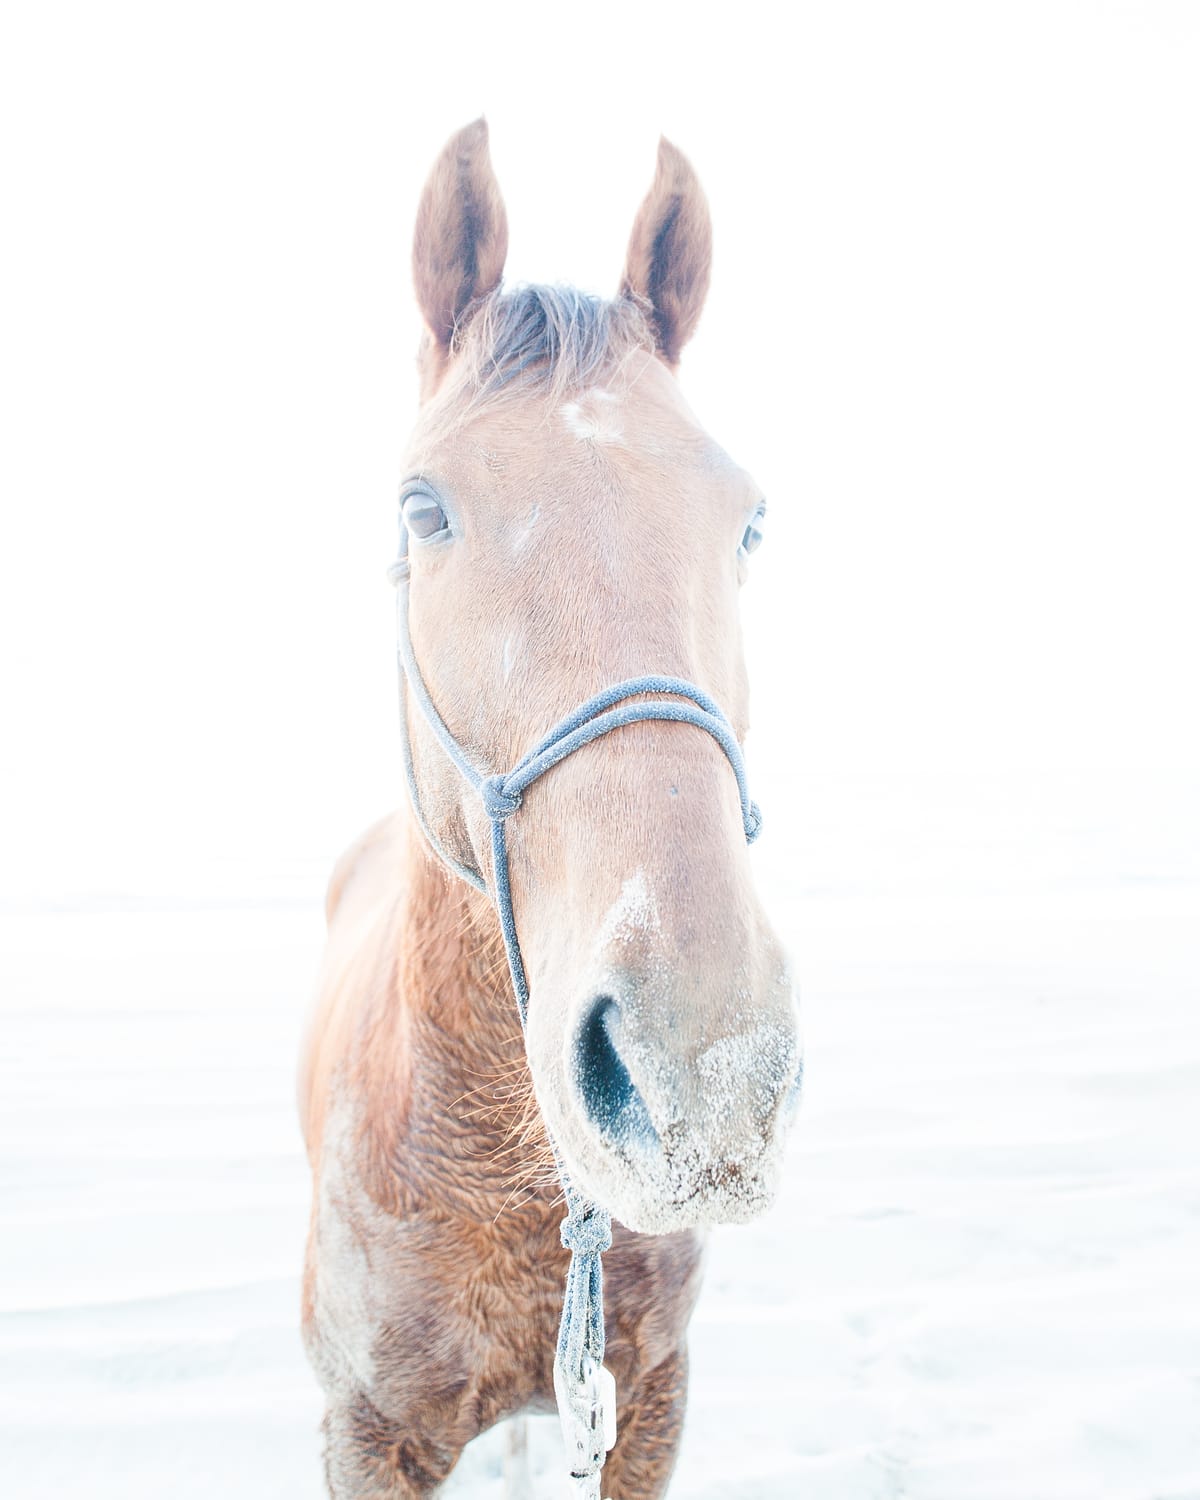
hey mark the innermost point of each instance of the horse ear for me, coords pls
(461, 235)
(670, 251)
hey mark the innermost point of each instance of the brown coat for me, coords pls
(434, 1277)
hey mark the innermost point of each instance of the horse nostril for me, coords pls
(610, 1096)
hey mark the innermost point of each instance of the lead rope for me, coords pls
(583, 1387)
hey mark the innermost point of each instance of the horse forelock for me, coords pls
(547, 339)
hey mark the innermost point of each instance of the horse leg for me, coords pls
(649, 1423)
(369, 1457)
(518, 1481)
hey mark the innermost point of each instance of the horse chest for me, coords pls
(447, 1321)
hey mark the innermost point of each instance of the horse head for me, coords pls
(569, 525)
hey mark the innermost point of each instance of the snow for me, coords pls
(979, 1282)
(973, 412)
(634, 911)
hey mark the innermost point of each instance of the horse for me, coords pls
(567, 524)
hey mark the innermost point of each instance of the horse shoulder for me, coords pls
(357, 975)
(371, 861)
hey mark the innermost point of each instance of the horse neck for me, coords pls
(452, 1026)
(452, 970)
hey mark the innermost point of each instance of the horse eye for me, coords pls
(753, 534)
(423, 516)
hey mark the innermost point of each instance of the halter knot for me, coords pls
(753, 822)
(587, 1231)
(497, 803)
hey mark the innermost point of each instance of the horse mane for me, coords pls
(554, 339)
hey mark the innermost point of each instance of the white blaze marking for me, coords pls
(587, 419)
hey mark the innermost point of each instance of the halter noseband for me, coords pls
(585, 1391)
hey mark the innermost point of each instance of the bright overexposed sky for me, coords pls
(953, 330)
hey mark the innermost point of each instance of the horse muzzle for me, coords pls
(676, 1113)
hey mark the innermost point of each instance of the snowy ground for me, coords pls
(980, 1283)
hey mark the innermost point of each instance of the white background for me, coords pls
(954, 331)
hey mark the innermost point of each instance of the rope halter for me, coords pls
(584, 1388)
